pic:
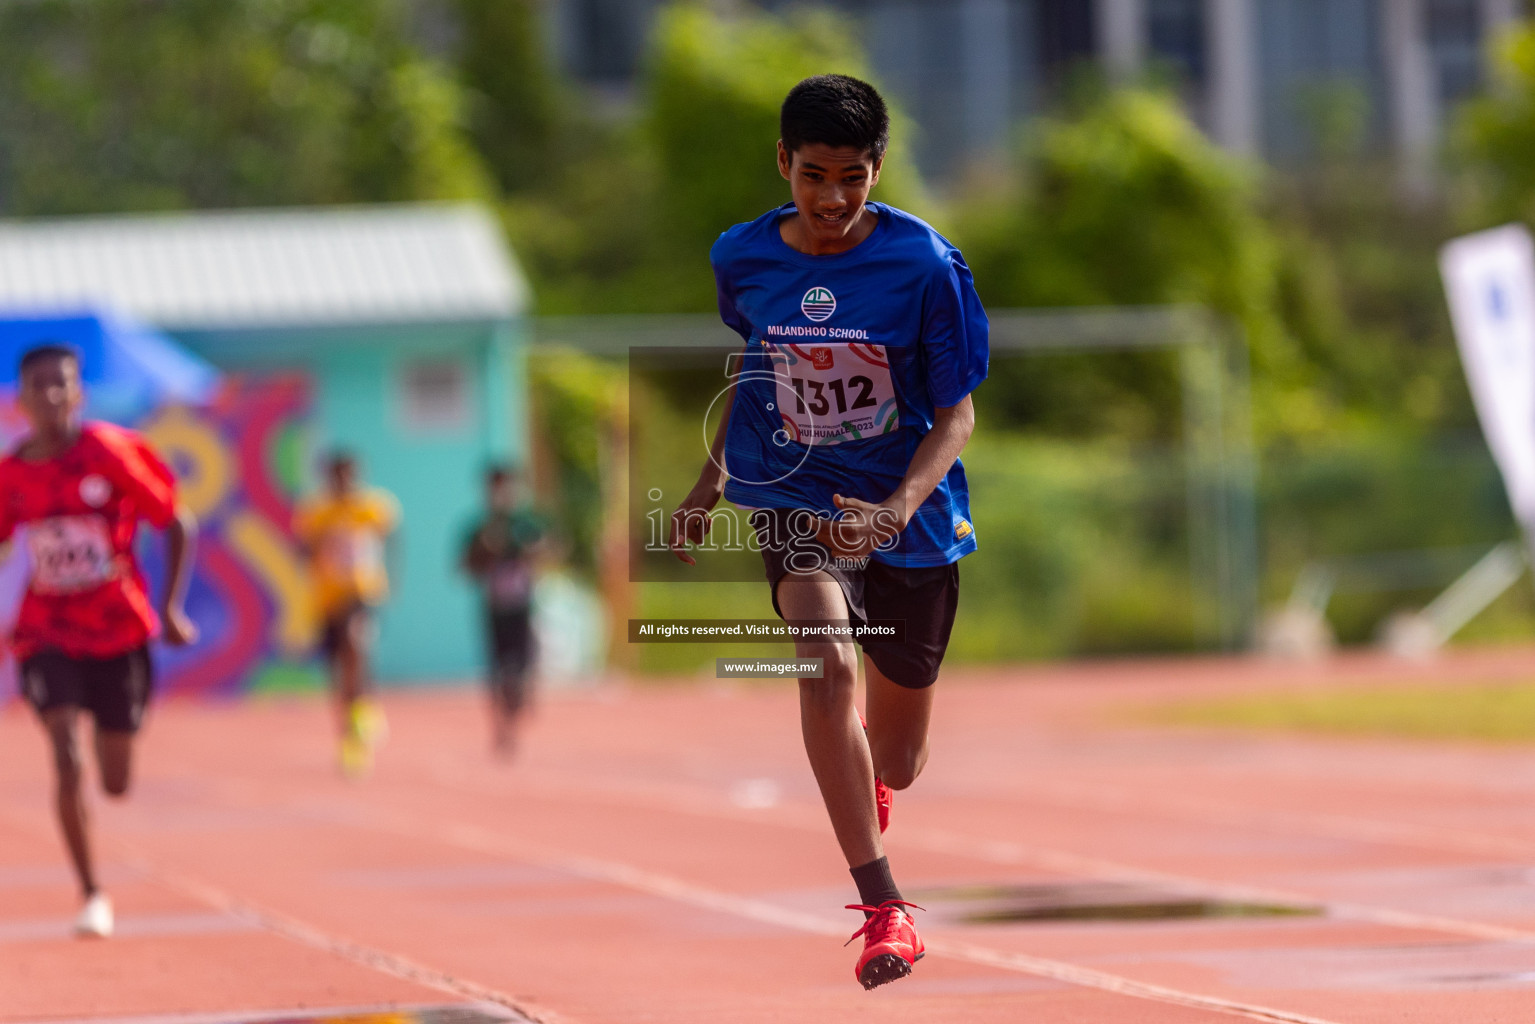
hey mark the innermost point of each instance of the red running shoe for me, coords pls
(884, 796)
(890, 943)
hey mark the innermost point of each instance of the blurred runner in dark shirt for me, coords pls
(500, 552)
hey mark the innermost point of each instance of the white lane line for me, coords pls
(299, 931)
(1208, 810)
(681, 798)
(1067, 862)
(326, 1013)
(706, 803)
(132, 926)
(486, 841)
(1074, 796)
(1111, 799)
(251, 913)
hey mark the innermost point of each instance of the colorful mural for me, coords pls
(240, 462)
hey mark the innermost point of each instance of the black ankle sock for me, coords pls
(875, 886)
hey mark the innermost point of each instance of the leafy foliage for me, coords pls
(1497, 134)
(714, 88)
(517, 106)
(1127, 204)
(580, 403)
(590, 238)
(625, 224)
(166, 104)
(1117, 199)
(1361, 296)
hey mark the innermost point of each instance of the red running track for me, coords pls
(658, 854)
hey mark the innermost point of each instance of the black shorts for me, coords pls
(925, 598)
(334, 629)
(510, 631)
(114, 690)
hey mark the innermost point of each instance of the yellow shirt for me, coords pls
(345, 537)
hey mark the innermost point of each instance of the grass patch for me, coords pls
(1502, 712)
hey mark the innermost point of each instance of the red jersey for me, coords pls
(86, 597)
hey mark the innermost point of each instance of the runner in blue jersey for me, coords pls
(864, 339)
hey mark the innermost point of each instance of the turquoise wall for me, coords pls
(431, 628)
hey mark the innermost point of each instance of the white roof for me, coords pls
(261, 268)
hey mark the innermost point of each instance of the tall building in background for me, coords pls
(1277, 79)
(601, 42)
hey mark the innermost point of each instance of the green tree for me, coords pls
(1360, 293)
(590, 237)
(1124, 203)
(581, 405)
(517, 108)
(626, 223)
(1496, 135)
(713, 90)
(165, 104)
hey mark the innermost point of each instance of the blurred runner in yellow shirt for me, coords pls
(344, 532)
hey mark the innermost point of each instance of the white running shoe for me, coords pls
(95, 920)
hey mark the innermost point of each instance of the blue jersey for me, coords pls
(847, 357)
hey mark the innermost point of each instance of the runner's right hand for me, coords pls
(690, 522)
(178, 630)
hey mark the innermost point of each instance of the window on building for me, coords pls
(1064, 35)
(1176, 37)
(1323, 84)
(1454, 34)
(435, 396)
(603, 40)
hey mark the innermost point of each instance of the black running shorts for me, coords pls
(510, 633)
(337, 627)
(114, 690)
(925, 599)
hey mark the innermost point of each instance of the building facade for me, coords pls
(1266, 78)
(394, 332)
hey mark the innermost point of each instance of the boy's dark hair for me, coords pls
(836, 111)
(48, 350)
(340, 458)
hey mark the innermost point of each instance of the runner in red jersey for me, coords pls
(75, 493)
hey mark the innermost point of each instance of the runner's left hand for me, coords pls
(690, 521)
(179, 630)
(862, 527)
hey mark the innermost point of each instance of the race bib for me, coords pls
(70, 554)
(828, 394)
(353, 551)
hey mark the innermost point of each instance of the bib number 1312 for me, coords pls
(819, 405)
(830, 394)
